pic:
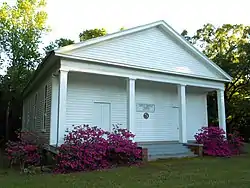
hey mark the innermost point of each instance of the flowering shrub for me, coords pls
(235, 142)
(215, 143)
(84, 148)
(25, 152)
(90, 148)
(122, 150)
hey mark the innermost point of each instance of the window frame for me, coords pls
(35, 110)
(24, 126)
(45, 106)
(28, 115)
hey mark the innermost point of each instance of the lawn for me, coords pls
(182, 173)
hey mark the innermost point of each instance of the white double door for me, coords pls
(102, 115)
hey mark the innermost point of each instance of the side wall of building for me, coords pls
(37, 109)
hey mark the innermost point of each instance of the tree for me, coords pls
(92, 33)
(22, 27)
(229, 47)
(58, 43)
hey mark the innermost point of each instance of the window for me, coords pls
(35, 112)
(28, 115)
(24, 116)
(45, 107)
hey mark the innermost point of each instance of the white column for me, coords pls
(131, 104)
(221, 109)
(54, 109)
(182, 114)
(62, 102)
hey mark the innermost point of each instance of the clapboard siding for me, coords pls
(85, 89)
(33, 121)
(150, 48)
(162, 125)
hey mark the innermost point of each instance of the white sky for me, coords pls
(67, 18)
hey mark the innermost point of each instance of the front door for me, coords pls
(174, 123)
(102, 115)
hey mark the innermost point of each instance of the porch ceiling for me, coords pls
(193, 89)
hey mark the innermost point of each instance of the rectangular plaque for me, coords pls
(145, 108)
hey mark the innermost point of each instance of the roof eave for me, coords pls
(109, 63)
(37, 71)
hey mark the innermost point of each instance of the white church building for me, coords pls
(148, 79)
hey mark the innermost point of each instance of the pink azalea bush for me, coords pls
(24, 151)
(84, 149)
(122, 150)
(91, 148)
(236, 143)
(215, 143)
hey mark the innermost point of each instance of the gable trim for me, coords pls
(163, 25)
(81, 58)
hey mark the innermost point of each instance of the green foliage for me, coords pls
(22, 27)
(58, 43)
(92, 33)
(229, 47)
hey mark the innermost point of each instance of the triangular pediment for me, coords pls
(155, 48)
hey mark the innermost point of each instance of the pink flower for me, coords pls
(90, 148)
(216, 144)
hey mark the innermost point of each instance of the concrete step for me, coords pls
(167, 150)
(180, 155)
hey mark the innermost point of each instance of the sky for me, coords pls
(67, 18)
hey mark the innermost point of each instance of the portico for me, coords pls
(182, 87)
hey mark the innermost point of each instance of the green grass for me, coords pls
(204, 172)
